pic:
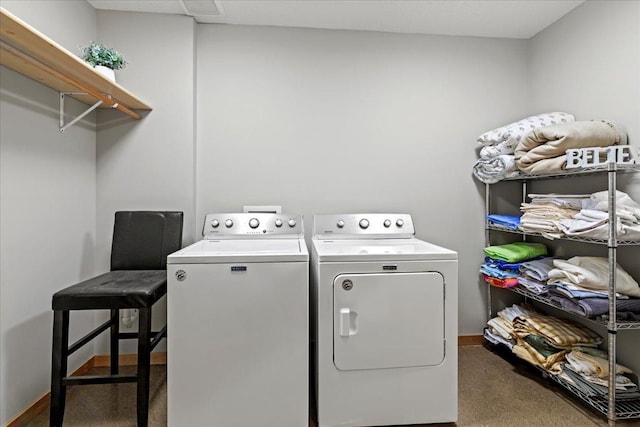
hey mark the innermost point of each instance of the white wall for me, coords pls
(47, 210)
(588, 64)
(323, 121)
(147, 164)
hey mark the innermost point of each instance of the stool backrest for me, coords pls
(143, 239)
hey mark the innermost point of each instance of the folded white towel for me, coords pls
(593, 273)
(595, 215)
(600, 201)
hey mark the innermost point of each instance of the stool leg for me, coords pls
(115, 341)
(144, 359)
(59, 366)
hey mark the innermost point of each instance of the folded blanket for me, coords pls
(591, 385)
(580, 227)
(502, 328)
(596, 215)
(495, 338)
(517, 251)
(594, 307)
(529, 354)
(532, 285)
(537, 269)
(509, 221)
(558, 287)
(560, 333)
(513, 267)
(536, 350)
(624, 203)
(509, 135)
(507, 282)
(496, 272)
(593, 273)
(543, 150)
(593, 361)
(510, 313)
(506, 265)
(495, 169)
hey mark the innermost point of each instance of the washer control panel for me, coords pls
(373, 225)
(252, 225)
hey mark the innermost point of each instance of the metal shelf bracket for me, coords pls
(64, 126)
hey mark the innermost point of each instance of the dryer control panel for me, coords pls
(371, 225)
(252, 226)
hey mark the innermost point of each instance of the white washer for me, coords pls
(238, 304)
(386, 323)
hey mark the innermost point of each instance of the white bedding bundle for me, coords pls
(592, 273)
(497, 160)
(503, 140)
(495, 169)
(593, 220)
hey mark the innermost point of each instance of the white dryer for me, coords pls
(386, 323)
(238, 303)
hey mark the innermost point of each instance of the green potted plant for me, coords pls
(104, 59)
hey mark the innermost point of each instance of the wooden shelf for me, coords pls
(31, 53)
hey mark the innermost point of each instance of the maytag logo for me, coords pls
(238, 268)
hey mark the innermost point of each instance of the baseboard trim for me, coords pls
(470, 340)
(44, 402)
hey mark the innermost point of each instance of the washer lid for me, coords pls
(380, 250)
(225, 251)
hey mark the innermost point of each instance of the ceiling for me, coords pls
(520, 19)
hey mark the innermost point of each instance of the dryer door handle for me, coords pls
(345, 322)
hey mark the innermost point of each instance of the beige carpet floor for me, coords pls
(492, 392)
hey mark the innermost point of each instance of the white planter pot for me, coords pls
(106, 71)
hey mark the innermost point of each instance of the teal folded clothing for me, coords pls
(514, 252)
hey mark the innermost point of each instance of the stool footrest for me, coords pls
(134, 335)
(157, 337)
(99, 379)
(91, 335)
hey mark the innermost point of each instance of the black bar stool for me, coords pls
(137, 280)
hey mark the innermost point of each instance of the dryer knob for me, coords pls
(364, 223)
(387, 223)
(228, 223)
(278, 223)
(254, 223)
(340, 223)
(292, 222)
(400, 223)
(215, 223)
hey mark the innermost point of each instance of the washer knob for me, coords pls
(215, 223)
(254, 223)
(364, 223)
(400, 222)
(228, 223)
(340, 223)
(387, 223)
(292, 222)
(278, 223)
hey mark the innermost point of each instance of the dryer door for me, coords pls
(388, 320)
